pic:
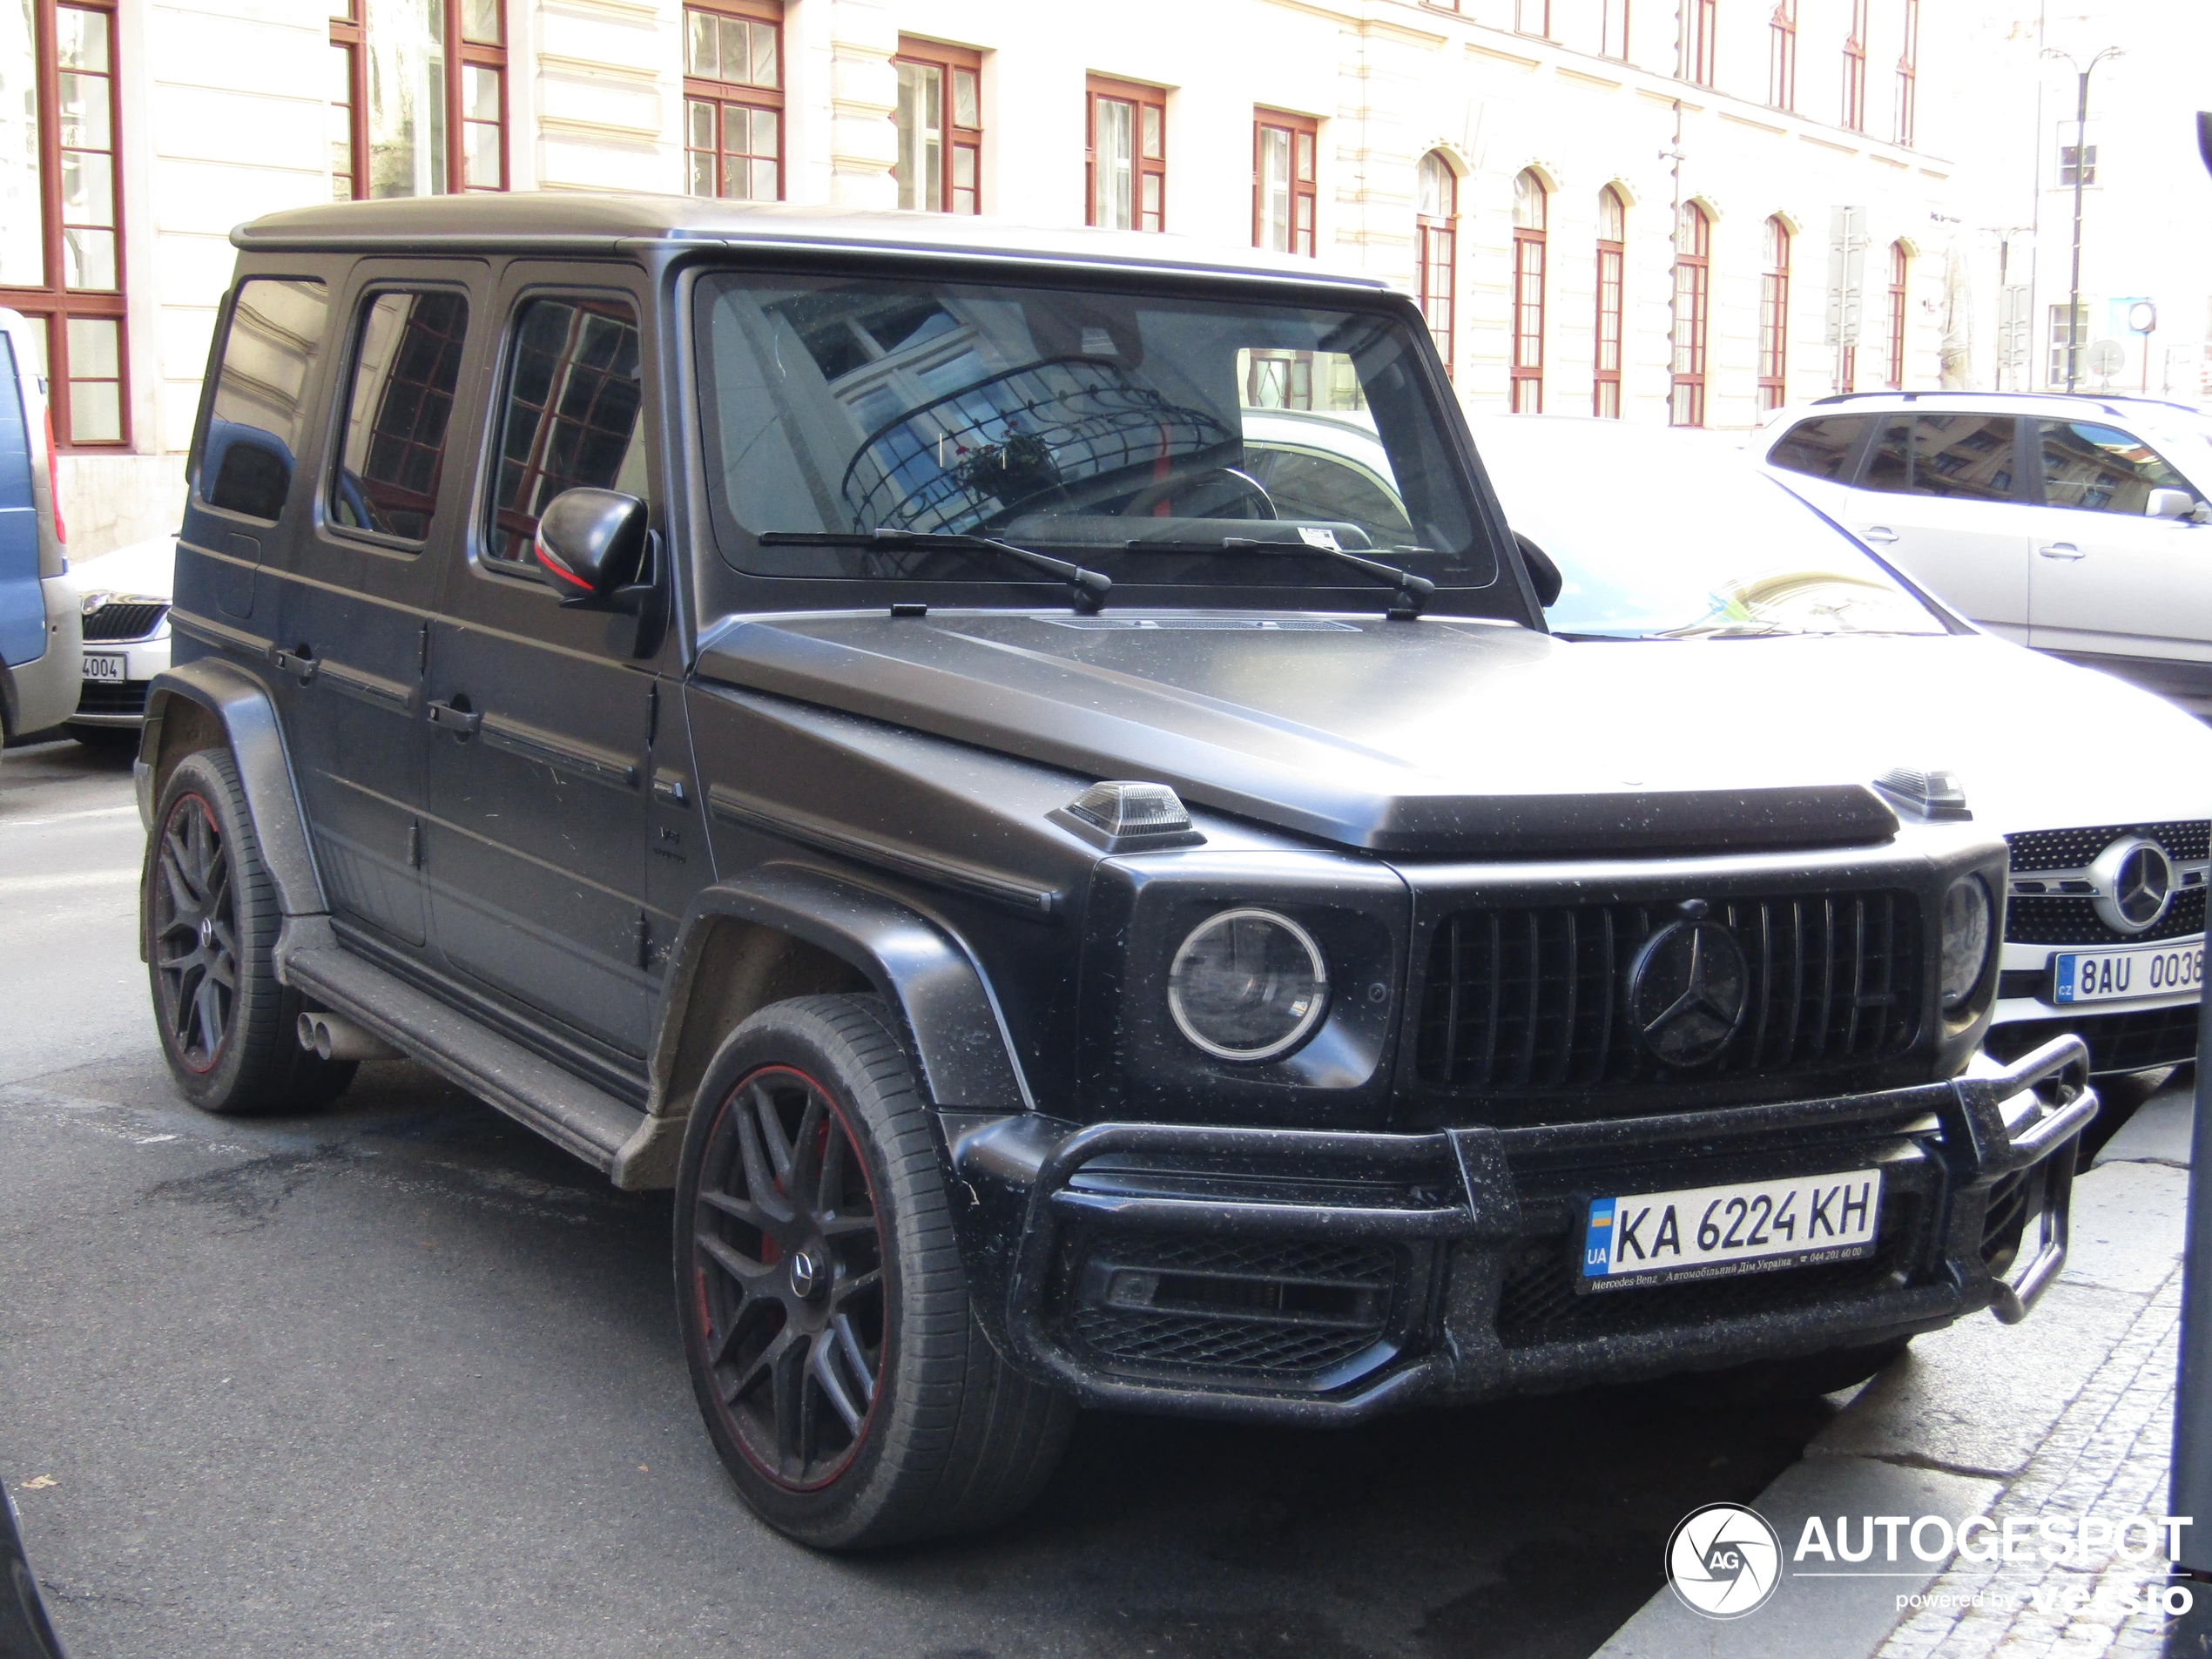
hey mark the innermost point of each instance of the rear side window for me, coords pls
(256, 415)
(1970, 456)
(1821, 447)
(567, 415)
(398, 402)
(2101, 469)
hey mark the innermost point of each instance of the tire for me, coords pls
(789, 1306)
(211, 916)
(1769, 1382)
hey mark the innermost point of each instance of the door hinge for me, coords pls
(653, 713)
(644, 941)
(423, 649)
(415, 844)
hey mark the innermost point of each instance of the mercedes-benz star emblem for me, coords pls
(2134, 883)
(1688, 988)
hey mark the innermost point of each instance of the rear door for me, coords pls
(541, 749)
(2111, 583)
(1940, 496)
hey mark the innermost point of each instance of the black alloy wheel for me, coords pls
(195, 934)
(787, 1265)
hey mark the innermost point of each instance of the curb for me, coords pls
(2071, 1410)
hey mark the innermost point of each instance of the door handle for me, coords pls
(1880, 535)
(2059, 551)
(457, 716)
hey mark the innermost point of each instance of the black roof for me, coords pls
(606, 222)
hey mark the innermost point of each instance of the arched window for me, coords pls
(1612, 228)
(1435, 249)
(1774, 317)
(1898, 261)
(1693, 300)
(1528, 213)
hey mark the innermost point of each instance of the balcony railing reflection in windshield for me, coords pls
(975, 455)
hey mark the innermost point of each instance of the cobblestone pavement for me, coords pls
(2108, 1458)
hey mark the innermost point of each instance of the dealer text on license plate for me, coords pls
(1720, 1232)
(2139, 970)
(104, 667)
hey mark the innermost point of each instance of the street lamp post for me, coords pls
(2081, 166)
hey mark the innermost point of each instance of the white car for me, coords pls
(1665, 541)
(126, 605)
(2079, 525)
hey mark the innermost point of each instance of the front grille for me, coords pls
(2133, 1042)
(124, 620)
(1539, 1303)
(112, 697)
(1217, 1303)
(1534, 999)
(2032, 921)
(2186, 840)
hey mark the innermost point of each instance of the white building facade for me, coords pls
(1620, 207)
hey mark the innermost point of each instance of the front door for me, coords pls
(1941, 499)
(2112, 584)
(542, 718)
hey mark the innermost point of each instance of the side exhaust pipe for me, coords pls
(336, 1039)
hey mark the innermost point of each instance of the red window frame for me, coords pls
(1612, 227)
(1302, 144)
(53, 304)
(349, 116)
(718, 97)
(1613, 29)
(1900, 264)
(1531, 214)
(1855, 69)
(1774, 317)
(1701, 27)
(1908, 75)
(960, 143)
(1533, 17)
(1782, 56)
(1148, 107)
(1437, 259)
(1693, 306)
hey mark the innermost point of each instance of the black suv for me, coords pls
(1024, 775)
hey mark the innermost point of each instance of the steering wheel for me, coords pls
(1202, 494)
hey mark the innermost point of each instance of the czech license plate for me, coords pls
(2139, 970)
(1721, 1232)
(105, 666)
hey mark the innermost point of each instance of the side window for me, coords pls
(2101, 469)
(567, 415)
(1822, 447)
(398, 402)
(255, 414)
(1969, 456)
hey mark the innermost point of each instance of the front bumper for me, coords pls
(1320, 1276)
(121, 703)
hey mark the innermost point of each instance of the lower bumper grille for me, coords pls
(2136, 1042)
(1213, 1303)
(114, 696)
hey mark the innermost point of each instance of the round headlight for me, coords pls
(1247, 985)
(1965, 940)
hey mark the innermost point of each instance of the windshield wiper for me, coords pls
(1089, 588)
(1413, 593)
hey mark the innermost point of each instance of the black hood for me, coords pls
(1438, 737)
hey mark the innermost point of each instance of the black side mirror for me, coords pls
(1543, 574)
(592, 544)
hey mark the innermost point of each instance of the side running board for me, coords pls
(527, 1087)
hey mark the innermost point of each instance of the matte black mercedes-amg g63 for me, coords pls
(1025, 776)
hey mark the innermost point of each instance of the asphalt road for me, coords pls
(399, 1377)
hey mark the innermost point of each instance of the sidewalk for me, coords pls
(2068, 1414)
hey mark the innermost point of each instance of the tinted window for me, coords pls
(2101, 468)
(1821, 447)
(569, 415)
(255, 416)
(1965, 455)
(397, 407)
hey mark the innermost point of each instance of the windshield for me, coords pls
(1661, 533)
(1137, 433)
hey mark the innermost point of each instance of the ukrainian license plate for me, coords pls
(2139, 970)
(105, 666)
(1723, 1232)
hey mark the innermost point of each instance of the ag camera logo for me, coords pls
(1723, 1561)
